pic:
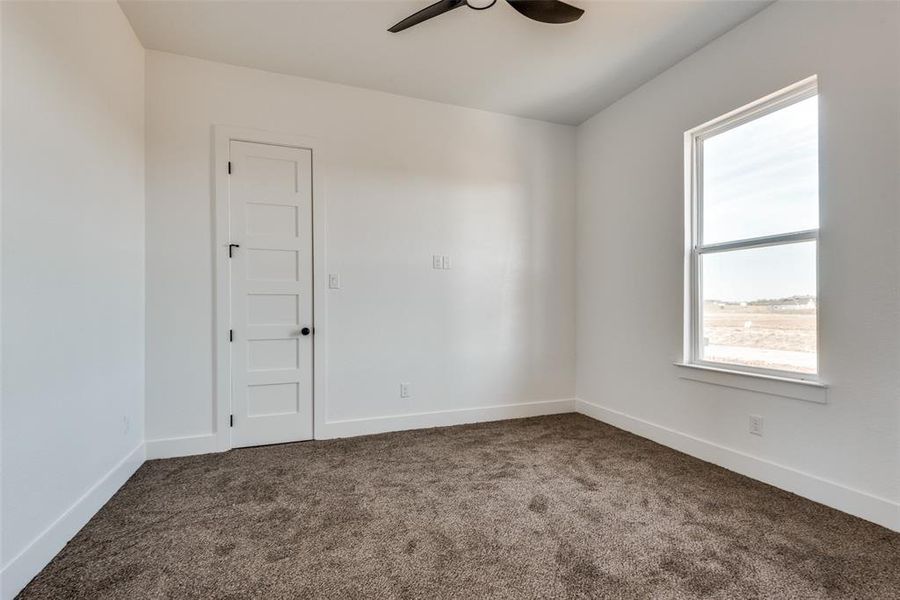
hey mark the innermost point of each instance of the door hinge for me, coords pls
(231, 248)
(231, 420)
(229, 167)
(231, 335)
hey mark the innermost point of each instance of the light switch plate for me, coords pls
(334, 281)
(445, 262)
(437, 262)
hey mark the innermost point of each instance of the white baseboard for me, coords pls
(182, 446)
(208, 443)
(442, 418)
(882, 511)
(22, 568)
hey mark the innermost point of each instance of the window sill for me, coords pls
(809, 391)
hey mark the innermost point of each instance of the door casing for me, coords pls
(222, 136)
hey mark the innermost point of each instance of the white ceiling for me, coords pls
(495, 59)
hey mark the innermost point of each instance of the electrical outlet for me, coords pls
(445, 262)
(756, 425)
(404, 390)
(334, 281)
(437, 262)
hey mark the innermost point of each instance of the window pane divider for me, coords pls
(761, 242)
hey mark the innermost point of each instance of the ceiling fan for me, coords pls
(545, 11)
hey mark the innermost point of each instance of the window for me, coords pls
(753, 216)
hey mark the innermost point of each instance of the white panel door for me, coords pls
(270, 221)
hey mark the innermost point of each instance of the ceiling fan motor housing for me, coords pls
(480, 4)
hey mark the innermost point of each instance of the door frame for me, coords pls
(222, 136)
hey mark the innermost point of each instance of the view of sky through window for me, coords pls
(762, 177)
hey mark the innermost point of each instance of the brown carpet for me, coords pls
(550, 507)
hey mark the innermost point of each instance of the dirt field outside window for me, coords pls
(778, 336)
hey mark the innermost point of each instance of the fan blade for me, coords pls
(429, 12)
(547, 11)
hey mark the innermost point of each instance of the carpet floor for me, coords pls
(549, 507)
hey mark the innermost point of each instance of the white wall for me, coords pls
(630, 239)
(72, 271)
(404, 179)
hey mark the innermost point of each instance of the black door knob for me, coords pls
(305, 331)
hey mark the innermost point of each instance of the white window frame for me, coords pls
(695, 248)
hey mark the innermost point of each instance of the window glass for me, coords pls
(761, 178)
(759, 307)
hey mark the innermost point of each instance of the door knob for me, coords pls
(305, 331)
